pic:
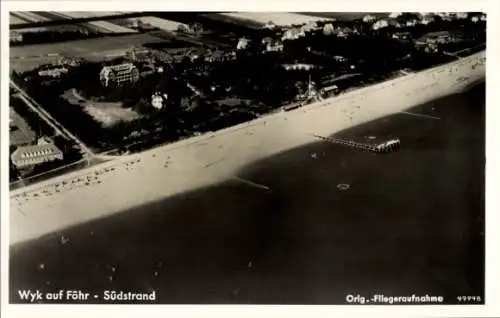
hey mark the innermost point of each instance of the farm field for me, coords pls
(278, 18)
(28, 16)
(24, 58)
(91, 14)
(101, 26)
(344, 15)
(15, 20)
(160, 23)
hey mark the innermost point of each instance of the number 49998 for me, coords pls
(469, 299)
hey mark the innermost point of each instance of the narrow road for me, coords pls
(60, 129)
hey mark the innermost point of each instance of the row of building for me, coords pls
(295, 33)
(128, 72)
(395, 19)
(398, 20)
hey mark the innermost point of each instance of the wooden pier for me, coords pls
(389, 146)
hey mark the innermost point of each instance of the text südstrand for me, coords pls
(111, 296)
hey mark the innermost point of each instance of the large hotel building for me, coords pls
(119, 74)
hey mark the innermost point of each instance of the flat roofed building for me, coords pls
(53, 71)
(29, 156)
(119, 74)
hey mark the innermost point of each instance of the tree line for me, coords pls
(52, 36)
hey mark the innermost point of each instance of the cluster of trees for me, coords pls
(168, 124)
(39, 126)
(13, 173)
(134, 95)
(49, 94)
(259, 78)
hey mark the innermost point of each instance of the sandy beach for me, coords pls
(205, 160)
(410, 223)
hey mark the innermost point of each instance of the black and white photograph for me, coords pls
(172, 157)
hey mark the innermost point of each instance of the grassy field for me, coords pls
(258, 19)
(23, 133)
(108, 114)
(23, 58)
(15, 20)
(345, 15)
(278, 18)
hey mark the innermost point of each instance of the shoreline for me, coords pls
(279, 111)
(276, 245)
(189, 164)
